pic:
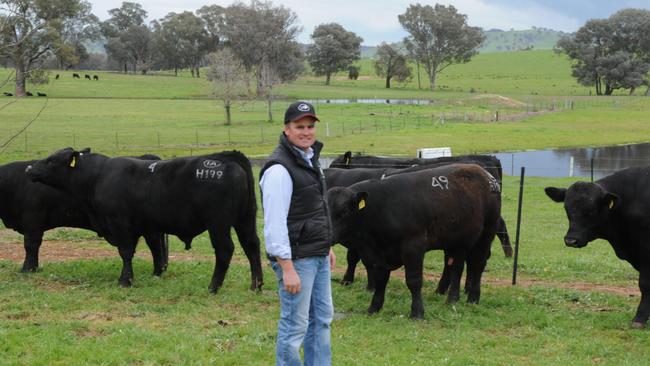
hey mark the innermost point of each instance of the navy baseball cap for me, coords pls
(299, 110)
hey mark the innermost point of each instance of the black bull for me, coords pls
(348, 169)
(31, 208)
(394, 221)
(183, 196)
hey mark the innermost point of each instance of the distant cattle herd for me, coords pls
(387, 212)
(56, 77)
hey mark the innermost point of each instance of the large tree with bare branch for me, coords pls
(31, 29)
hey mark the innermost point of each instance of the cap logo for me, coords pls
(304, 108)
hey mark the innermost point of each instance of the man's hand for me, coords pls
(289, 276)
(332, 259)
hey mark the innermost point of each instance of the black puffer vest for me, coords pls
(308, 221)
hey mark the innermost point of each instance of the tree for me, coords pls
(182, 40)
(438, 37)
(74, 32)
(391, 63)
(334, 49)
(263, 37)
(611, 54)
(30, 31)
(228, 76)
(128, 37)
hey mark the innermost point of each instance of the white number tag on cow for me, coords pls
(152, 166)
(494, 184)
(208, 174)
(440, 182)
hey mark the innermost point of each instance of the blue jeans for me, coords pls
(305, 317)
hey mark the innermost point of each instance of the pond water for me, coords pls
(576, 162)
(569, 162)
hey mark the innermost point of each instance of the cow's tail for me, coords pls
(246, 228)
(497, 165)
(249, 214)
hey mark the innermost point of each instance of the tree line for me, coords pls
(612, 53)
(260, 39)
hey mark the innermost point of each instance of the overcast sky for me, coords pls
(376, 20)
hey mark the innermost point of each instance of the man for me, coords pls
(297, 233)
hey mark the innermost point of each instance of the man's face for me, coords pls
(301, 133)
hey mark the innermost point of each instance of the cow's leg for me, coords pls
(353, 259)
(413, 259)
(127, 250)
(443, 284)
(250, 242)
(223, 249)
(155, 242)
(165, 251)
(504, 238)
(381, 275)
(456, 263)
(370, 286)
(643, 311)
(476, 261)
(32, 242)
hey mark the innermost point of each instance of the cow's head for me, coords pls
(56, 169)
(588, 207)
(345, 207)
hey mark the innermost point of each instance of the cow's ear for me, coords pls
(556, 194)
(360, 200)
(611, 200)
(347, 157)
(85, 151)
(73, 161)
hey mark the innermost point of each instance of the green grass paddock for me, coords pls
(572, 305)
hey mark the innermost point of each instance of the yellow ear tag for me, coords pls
(73, 162)
(362, 204)
(611, 204)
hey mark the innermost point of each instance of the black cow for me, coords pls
(87, 76)
(95, 77)
(56, 77)
(8, 94)
(337, 177)
(488, 162)
(29, 94)
(182, 196)
(615, 208)
(76, 76)
(31, 208)
(41, 94)
(395, 221)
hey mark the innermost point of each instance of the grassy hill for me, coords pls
(498, 40)
(523, 73)
(537, 38)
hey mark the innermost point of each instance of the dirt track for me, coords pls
(11, 248)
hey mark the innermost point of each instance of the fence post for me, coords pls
(229, 141)
(196, 134)
(521, 197)
(592, 169)
(158, 134)
(117, 142)
(25, 140)
(327, 129)
(262, 133)
(74, 141)
(571, 161)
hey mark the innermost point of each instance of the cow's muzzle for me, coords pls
(573, 242)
